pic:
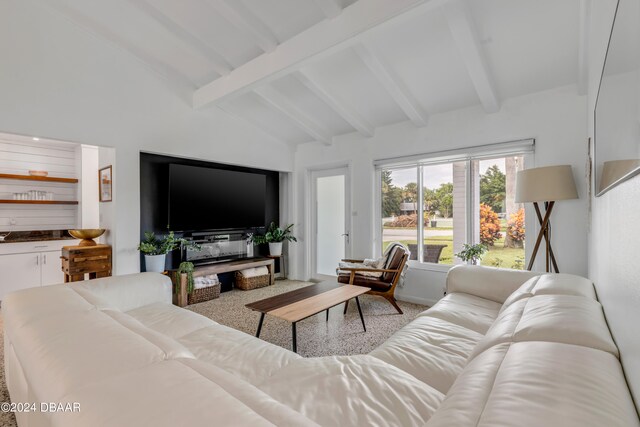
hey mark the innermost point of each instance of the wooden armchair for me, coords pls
(383, 286)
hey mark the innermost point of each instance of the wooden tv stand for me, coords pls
(223, 267)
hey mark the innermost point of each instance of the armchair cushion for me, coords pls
(370, 282)
(394, 262)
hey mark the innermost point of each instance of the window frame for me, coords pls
(524, 148)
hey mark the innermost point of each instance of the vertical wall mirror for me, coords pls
(617, 113)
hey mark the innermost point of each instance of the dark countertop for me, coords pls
(35, 236)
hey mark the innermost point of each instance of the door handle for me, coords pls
(44, 258)
(345, 234)
(38, 259)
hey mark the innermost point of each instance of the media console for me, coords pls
(222, 267)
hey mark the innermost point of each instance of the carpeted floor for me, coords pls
(341, 335)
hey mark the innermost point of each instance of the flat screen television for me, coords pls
(203, 198)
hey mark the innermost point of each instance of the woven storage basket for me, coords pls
(249, 283)
(204, 294)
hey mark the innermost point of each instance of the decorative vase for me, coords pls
(275, 249)
(155, 263)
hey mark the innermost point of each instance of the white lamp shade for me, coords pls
(546, 184)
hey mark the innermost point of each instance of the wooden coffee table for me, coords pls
(305, 302)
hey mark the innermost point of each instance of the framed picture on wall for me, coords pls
(105, 177)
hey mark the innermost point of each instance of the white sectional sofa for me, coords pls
(503, 348)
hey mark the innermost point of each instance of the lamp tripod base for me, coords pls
(551, 265)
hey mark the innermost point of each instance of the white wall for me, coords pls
(556, 119)
(62, 82)
(615, 228)
(88, 209)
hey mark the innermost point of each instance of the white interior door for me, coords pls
(330, 201)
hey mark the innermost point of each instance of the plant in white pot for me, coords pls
(274, 237)
(472, 253)
(155, 249)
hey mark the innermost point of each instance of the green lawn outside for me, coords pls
(497, 256)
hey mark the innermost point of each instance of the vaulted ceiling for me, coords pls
(310, 70)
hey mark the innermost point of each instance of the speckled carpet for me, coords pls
(341, 335)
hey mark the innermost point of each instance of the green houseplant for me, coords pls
(472, 253)
(155, 249)
(274, 237)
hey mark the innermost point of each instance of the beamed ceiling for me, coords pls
(309, 70)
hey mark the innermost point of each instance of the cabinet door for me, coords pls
(19, 271)
(51, 268)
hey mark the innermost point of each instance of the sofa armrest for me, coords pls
(126, 292)
(495, 284)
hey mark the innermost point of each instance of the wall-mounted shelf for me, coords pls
(38, 178)
(40, 202)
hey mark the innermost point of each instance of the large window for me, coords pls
(445, 204)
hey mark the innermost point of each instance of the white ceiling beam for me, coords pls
(160, 68)
(583, 46)
(392, 84)
(245, 20)
(330, 8)
(350, 115)
(329, 36)
(465, 34)
(273, 98)
(218, 62)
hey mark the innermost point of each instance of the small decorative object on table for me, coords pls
(274, 237)
(155, 249)
(87, 235)
(472, 253)
(253, 278)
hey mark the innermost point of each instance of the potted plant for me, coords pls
(472, 253)
(274, 237)
(155, 249)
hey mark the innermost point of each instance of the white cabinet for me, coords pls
(51, 271)
(27, 265)
(19, 271)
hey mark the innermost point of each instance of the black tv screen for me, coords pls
(203, 198)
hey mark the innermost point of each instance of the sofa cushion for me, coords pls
(539, 384)
(67, 350)
(33, 304)
(126, 292)
(495, 284)
(432, 350)
(353, 391)
(566, 319)
(243, 355)
(552, 284)
(172, 393)
(465, 310)
(170, 319)
(171, 348)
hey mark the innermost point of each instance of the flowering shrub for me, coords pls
(489, 225)
(515, 226)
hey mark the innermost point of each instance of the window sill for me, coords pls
(422, 266)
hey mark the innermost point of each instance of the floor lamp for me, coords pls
(545, 185)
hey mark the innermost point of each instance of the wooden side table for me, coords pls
(80, 260)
